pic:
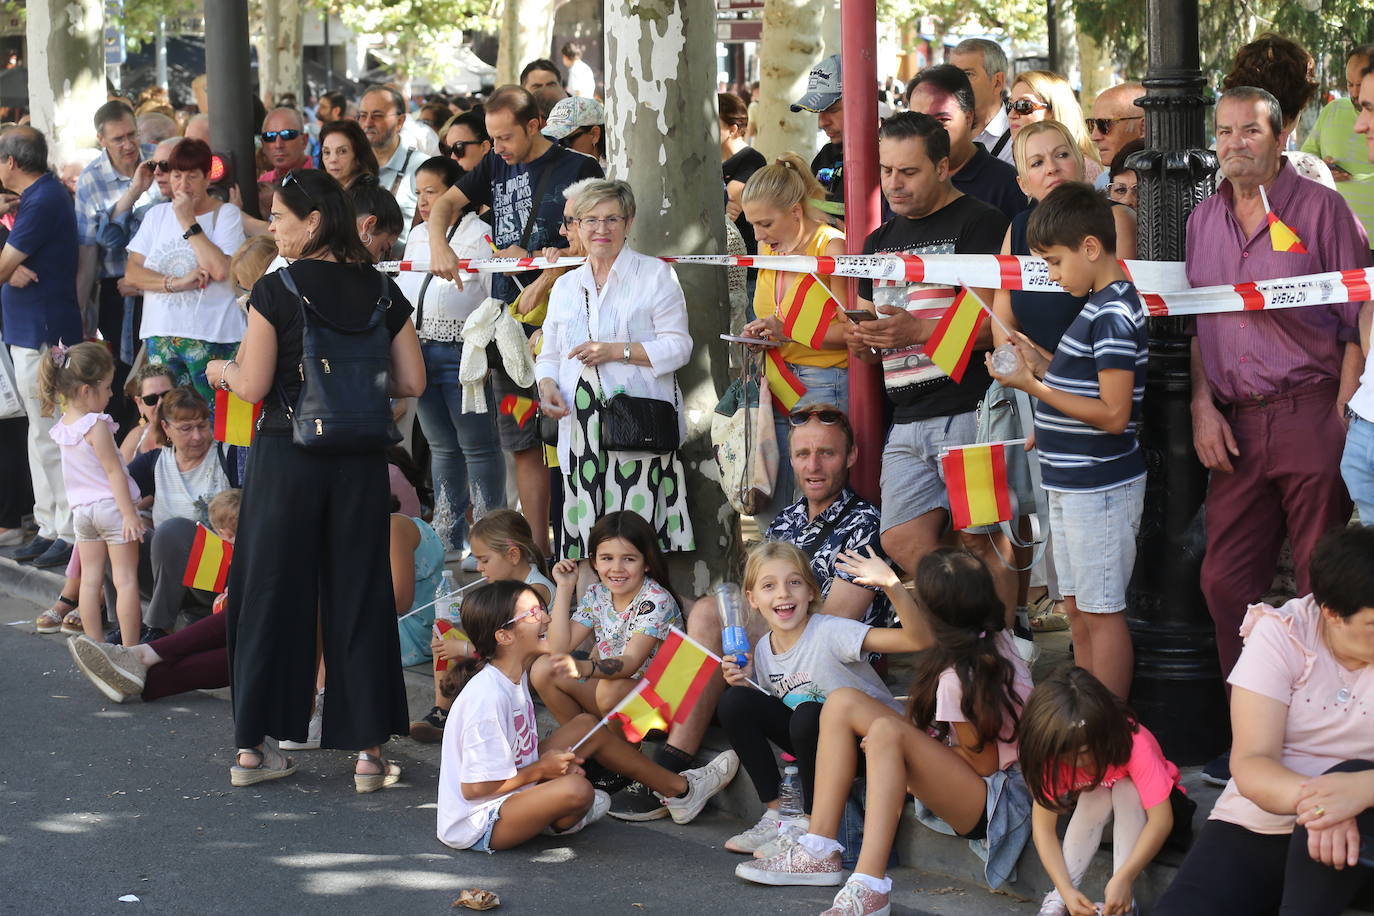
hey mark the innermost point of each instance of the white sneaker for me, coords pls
(785, 835)
(762, 832)
(793, 866)
(1053, 905)
(601, 803)
(702, 783)
(313, 732)
(856, 899)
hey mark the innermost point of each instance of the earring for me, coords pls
(367, 238)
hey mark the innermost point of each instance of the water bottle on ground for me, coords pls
(791, 810)
(734, 639)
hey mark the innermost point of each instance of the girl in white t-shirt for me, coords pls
(499, 785)
(799, 662)
(955, 750)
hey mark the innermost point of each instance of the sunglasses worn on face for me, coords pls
(272, 136)
(1025, 106)
(150, 400)
(828, 417)
(158, 165)
(458, 149)
(1104, 125)
(1119, 191)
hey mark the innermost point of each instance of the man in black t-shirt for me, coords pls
(931, 410)
(945, 93)
(522, 179)
(823, 98)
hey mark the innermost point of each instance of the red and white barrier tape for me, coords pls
(1163, 285)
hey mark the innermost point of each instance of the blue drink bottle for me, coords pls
(734, 639)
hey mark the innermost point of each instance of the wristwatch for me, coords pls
(626, 357)
(194, 229)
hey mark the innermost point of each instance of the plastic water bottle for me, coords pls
(734, 639)
(450, 612)
(1005, 360)
(790, 808)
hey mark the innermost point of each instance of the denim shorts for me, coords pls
(913, 482)
(99, 521)
(493, 814)
(1094, 543)
(1357, 467)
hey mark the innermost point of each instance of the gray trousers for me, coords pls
(169, 550)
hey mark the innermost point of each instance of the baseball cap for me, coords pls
(822, 86)
(572, 113)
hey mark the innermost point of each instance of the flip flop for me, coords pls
(272, 764)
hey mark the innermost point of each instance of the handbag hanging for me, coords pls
(630, 423)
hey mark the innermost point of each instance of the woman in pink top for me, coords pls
(1082, 750)
(1285, 835)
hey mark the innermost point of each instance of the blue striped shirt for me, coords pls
(1108, 334)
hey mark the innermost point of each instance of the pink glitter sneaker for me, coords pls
(794, 865)
(855, 899)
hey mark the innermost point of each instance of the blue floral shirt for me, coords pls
(855, 526)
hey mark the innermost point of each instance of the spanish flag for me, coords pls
(521, 409)
(235, 418)
(787, 389)
(669, 688)
(208, 566)
(951, 343)
(446, 630)
(976, 476)
(1281, 235)
(810, 313)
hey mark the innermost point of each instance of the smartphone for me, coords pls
(860, 315)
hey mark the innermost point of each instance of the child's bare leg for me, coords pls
(128, 607)
(612, 751)
(559, 803)
(565, 697)
(846, 717)
(611, 692)
(92, 571)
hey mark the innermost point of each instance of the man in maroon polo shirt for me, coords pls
(1269, 387)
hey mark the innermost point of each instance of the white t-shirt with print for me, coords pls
(211, 313)
(489, 735)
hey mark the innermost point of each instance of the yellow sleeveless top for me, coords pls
(768, 302)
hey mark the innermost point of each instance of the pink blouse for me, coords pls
(82, 472)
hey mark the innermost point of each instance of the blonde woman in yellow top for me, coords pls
(804, 311)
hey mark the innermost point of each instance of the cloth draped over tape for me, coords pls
(1163, 285)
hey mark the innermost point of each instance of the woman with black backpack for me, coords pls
(329, 342)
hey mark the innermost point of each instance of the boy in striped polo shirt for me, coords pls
(1089, 394)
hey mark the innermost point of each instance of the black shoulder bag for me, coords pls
(344, 405)
(634, 424)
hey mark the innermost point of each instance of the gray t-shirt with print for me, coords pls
(829, 655)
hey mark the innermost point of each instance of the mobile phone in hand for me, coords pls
(857, 315)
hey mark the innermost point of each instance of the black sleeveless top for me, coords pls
(1044, 317)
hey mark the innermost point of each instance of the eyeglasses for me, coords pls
(825, 415)
(569, 222)
(1025, 106)
(187, 429)
(594, 223)
(272, 136)
(532, 612)
(568, 140)
(1104, 125)
(1120, 190)
(458, 149)
(150, 400)
(158, 165)
(292, 179)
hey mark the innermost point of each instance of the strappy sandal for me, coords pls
(50, 621)
(272, 764)
(1050, 620)
(389, 774)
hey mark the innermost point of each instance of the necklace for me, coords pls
(1344, 694)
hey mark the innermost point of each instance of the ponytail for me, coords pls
(484, 611)
(785, 184)
(62, 371)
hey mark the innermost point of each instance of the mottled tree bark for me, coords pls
(526, 35)
(66, 70)
(793, 41)
(278, 41)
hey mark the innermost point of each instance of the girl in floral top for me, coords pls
(628, 612)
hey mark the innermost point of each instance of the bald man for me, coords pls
(1116, 120)
(286, 142)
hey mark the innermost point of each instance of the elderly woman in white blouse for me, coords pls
(617, 323)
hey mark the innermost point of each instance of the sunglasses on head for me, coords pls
(1104, 125)
(292, 179)
(272, 136)
(150, 400)
(158, 165)
(1025, 106)
(828, 417)
(458, 149)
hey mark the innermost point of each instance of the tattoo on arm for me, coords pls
(609, 667)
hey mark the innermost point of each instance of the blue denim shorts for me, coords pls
(1094, 544)
(484, 844)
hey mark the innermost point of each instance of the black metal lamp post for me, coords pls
(230, 92)
(1178, 689)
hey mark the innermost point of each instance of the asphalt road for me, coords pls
(99, 801)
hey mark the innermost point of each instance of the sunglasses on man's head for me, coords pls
(1025, 106)
(272, 136)
(828, 417)
(1104, 125)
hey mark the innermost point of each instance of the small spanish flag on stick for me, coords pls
(1281, 235)
(976, 476)
(810, 313)
(951, 343)
(235, 418)
(668, 690)
(208, 566)
(446, 630)
(787, 389)
(521, 409)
